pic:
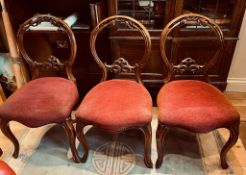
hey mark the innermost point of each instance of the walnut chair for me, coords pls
(43, 100)
(194, 105)
(118, 105)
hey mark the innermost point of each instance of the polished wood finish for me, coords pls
(4, 125)
(71, 135)
(81, 137)
(119, 66)
(86, 72)
(146, 130)
(49, 63)
(234, 133)
(67, 125)
(114, 45)
(189, 66)
(203, 48)
(160, 136)
(198, 44)
(163, 129)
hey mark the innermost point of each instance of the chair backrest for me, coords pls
(189, 64)
(51, 62)
(121, 65)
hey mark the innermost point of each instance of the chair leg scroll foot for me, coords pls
(160, 136)
(234, 131)
(82, 140)
(9, 134)
(147, 145)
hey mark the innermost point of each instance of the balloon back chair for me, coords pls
(194, 105)
(43, 100)
(119, 104)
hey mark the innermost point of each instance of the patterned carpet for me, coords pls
(44, 151)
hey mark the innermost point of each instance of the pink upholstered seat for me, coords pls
(41, 101)
(116, 104)
(5, 169)
(194, 105)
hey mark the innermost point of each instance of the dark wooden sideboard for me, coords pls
(42, 43)
(187, 42)
(154, 14)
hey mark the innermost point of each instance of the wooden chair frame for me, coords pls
(180, 21)
(188, 63)
(50, 63)
(120, 66)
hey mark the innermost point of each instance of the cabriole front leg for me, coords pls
(68, 126)
(8, 133)
(234, 131)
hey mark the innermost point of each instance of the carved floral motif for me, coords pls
(194, 20)
(52, 63)
(119, 22)
(188, 65)
(36, 21)
(120, 66)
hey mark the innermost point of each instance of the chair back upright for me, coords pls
(121, 65)
(51, 62)
(190, 65)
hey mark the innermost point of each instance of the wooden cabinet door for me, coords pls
(227, 14)
(154, 15)
(132, 49)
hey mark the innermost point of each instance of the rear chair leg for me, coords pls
(160, 136)
(68, 127)
(234, 131)
(81, 137)
(147, 145)
(8, 133)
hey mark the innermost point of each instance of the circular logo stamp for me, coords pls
(113, 158)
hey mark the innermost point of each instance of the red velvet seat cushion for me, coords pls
(41, 101)
(195, 105)
(5, 169)
(116, 104)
